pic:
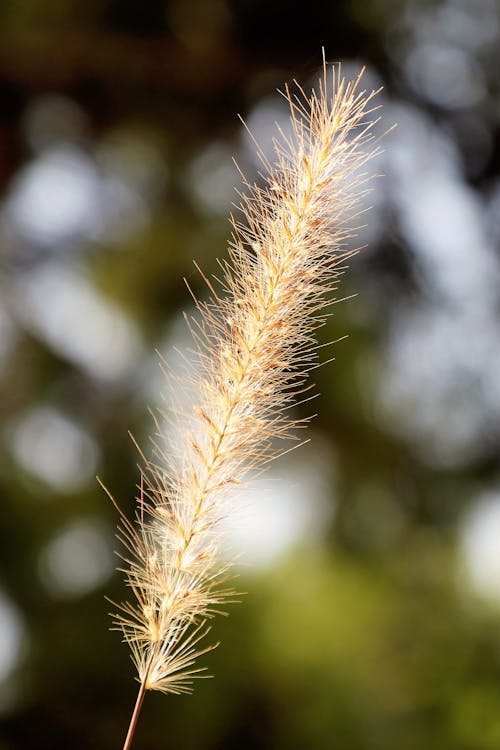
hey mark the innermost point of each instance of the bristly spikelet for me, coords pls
(255, 345)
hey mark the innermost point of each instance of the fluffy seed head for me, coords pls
(255, 344)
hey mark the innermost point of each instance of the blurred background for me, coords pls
(371, 557)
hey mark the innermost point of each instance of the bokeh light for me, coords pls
(371, 554)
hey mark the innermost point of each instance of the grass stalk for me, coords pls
(255, 345)
(135, 716)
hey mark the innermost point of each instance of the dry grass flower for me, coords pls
(255, 344)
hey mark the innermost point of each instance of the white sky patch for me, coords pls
(286, 507)
(55, 197)
(60, 305)
(211, 179)
(54, 449)
(175, 392)
(439, 383)
(261, 123)
(77, 560)
(439, 376)
(61, 197)
(470, 26)
(447, 75)
(443, 219)
(480, 546)
(156, 390)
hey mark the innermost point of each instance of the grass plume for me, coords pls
(255, 344)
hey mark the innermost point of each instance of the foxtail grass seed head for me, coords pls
(255, 344)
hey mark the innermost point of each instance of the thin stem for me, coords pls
(133, 721)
